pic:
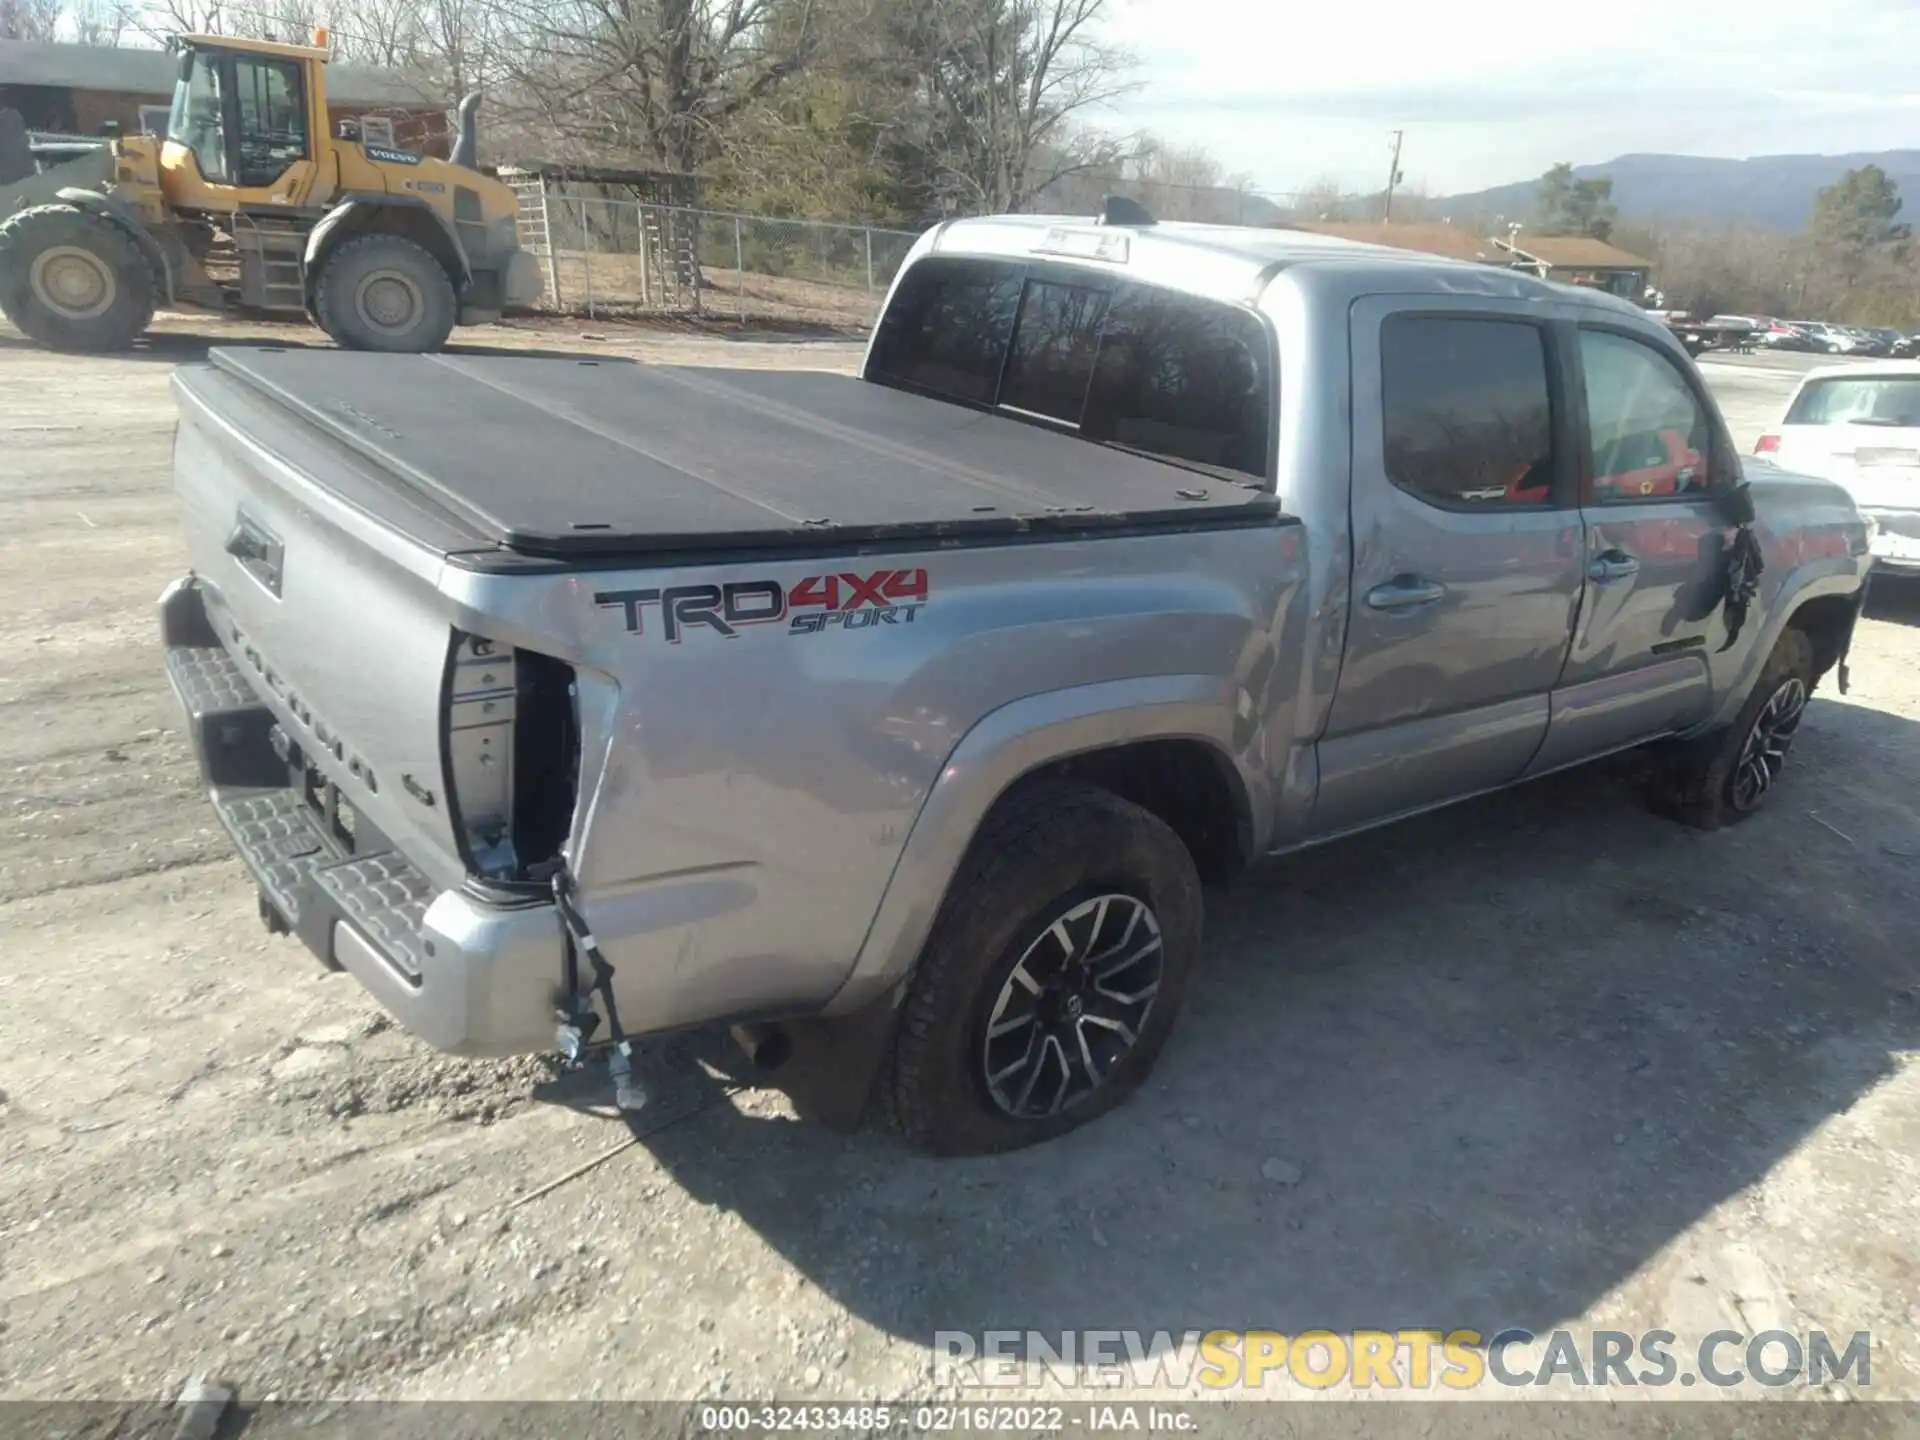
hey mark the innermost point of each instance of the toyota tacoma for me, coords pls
(902, 718)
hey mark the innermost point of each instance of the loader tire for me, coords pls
(383, 292)
(1052, 976)
(74, 280)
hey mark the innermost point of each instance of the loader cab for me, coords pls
(247, 125)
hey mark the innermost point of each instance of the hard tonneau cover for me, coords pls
(577, 458)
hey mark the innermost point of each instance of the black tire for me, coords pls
(1725, 777)
(1060, 855)
(74, 280)
(383, 292)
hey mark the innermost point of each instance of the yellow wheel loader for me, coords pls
(251, 203)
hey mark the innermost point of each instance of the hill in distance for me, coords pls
(1771, 190)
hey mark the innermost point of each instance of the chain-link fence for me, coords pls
(622, 257)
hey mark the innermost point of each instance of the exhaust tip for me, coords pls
(767, 1046)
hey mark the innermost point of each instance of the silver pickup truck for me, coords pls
(900, 719)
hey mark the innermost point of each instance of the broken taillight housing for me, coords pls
(512, 741)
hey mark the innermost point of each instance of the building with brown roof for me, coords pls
(1428, 237)
(79, 89)
(1579, 260)
(1570, 259)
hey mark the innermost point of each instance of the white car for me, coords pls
(1859, 426)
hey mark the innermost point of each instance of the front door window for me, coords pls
(198, 117)
(1650, 435)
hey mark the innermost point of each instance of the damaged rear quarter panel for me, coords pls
(746, 796)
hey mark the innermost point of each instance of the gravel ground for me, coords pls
(1542, 1060)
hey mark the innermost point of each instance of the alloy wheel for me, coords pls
(1764, 753)
(1073, 1006)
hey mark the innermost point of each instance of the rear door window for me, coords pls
(1468, 412)
(1172, 376)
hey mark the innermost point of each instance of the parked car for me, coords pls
(1907, 347)
(898, 719)
(1860, 427)
(1830, 339)
(1781, 335)
(1868, 343)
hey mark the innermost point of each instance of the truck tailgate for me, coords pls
(331, 617)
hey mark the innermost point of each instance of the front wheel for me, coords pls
(383, 292)
(1725, 777)
(1052, 976)
(74, 280)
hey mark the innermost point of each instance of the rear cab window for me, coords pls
(1892, 401)
(1172, 376)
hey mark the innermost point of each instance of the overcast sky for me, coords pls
(1294, 93)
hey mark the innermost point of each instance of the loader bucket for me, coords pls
(89, 170)
(16, 150)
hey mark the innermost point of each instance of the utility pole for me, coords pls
(1394, 177)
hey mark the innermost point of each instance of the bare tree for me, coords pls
(99, 22)
(1007, 87)
(1325, 199)
(1157, 162)
(28, 19)
(157, 19)
(656, 79)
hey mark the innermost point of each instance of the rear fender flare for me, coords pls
(117, 211)
(1014, 741)
(362, 214)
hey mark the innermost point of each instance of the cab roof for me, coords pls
(1229, 262)
(253, 47)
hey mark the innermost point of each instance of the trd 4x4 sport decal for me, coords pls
(845, 601)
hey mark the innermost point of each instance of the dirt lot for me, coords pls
(1543, 1060)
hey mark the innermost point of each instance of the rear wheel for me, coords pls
(1052, 976)
(74, 280)
(383, 292)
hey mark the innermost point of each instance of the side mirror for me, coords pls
(1736, 504)
(183, 67)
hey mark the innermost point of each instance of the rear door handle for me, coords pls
(1611, 565)
(1405, 592)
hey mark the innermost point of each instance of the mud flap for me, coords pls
(1846, 637)
(835, 1061)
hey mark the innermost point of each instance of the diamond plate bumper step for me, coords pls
(308, 876)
